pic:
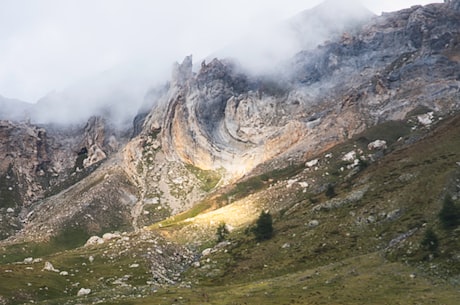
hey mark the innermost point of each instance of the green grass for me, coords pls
(68, 238)
(411, 180)
(197, 209)
(257, 183)
(389, 131)
(22, 284)
(351, 257)
(365, 279)
(239, 190)
(208, 178)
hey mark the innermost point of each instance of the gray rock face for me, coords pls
(42, 160)
(455, 4)
(222, 118)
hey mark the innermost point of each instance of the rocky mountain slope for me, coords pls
(351, 146)
(39, 161)
(392, 65)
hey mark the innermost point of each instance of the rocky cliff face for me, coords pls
(455, 4)
(222, 121)
(221, 118)
(39, 161)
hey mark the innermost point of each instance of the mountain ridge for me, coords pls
(351, 147)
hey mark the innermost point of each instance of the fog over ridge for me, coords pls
(82, 57)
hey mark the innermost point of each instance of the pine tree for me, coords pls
(330, 191)
(430, 241)
(449, 214)
(264, 226)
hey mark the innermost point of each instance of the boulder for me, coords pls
(377, 145)
(109, 236)
(350, 156)
(425, 119)
(94, 240)
(28, 260)
(312, 163)
(49, 267)
(206, 252)
(83, 292)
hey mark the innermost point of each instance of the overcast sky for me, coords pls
(48, 45)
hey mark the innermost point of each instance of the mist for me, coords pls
(263, 49)
(75, 58)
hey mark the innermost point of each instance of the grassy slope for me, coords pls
(346, 259)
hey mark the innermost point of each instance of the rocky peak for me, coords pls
(334, 91)
(93, 141)
(182, 72)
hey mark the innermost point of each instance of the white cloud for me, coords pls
(50, 44)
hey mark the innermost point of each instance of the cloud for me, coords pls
(51, 45)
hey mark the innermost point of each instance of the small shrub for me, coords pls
(264, 226)
(430, 241)
(362, 164)
(330, 192)
(449, 214)
(221, 232)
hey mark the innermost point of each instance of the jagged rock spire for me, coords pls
(182, 72)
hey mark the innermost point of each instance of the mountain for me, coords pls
(322, 97)
(351, 147)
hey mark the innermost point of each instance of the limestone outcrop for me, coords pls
(39, 161)
(220, 117)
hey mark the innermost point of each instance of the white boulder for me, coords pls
(303, 184)
(109, 236)
(312, 163)
(290, 182)
(206, 252)
(83, 291)
(94, 240)
(350, 156)
(49, 267)
(425, 119)
(28, 260)
(377, 145)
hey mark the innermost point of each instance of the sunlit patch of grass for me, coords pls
(208, 178)
(197, 209)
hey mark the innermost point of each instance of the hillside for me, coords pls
(362, 244)
(352, 148)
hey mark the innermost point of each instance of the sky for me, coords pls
(50, 45)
